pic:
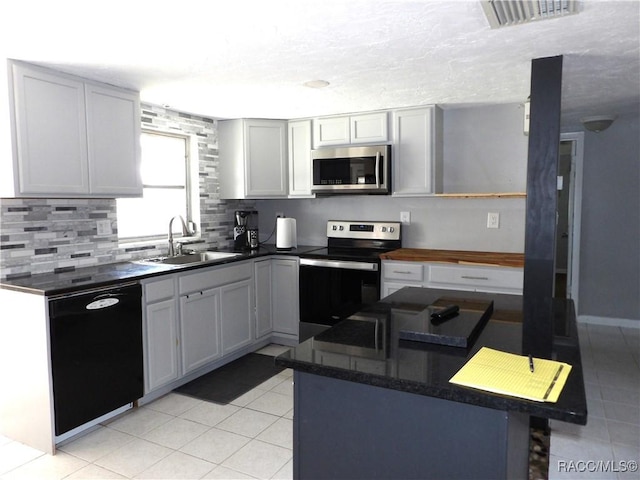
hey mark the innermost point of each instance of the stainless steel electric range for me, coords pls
(337, 281)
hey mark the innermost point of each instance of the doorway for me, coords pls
(567, 252)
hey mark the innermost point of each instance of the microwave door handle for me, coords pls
(377, 169)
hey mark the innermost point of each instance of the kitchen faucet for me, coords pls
(185, 232)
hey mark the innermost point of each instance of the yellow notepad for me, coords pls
(509, 374)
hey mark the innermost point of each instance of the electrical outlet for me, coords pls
(405, 218)
(279, 215)
(493, 220)
(104, 227)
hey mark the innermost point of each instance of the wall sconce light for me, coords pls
(597, 123)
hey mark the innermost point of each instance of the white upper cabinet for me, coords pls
(51, 133)
(370, 128)
(113, 138)
(300, 158)
(348, 130)
(331, 131)
(253, 158)
(72, 137)
(417, 151)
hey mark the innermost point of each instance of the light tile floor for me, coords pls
(176, 437)
(179, 437)
(604, 448)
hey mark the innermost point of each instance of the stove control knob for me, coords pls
(341, 227)
(384, 229)
(335, 227)
(392, 229)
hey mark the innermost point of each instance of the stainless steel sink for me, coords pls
(191, 258)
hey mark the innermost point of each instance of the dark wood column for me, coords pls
(540, 225)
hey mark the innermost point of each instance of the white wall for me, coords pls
(610, 233)
(440, 223)
(485, 149)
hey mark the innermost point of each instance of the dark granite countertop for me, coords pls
(69, 281)
(355, 351)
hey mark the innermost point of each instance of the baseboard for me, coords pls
(609, 321)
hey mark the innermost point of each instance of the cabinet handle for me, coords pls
(402, 272)
(471, 277)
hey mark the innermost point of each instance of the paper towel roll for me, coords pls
(286, 237)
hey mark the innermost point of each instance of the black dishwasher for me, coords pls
(96, 353)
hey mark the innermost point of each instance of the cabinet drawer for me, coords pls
(159, 290)
(479, 278)
(214, 277)
(412, 271)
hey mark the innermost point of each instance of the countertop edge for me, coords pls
(457, 394)
(141, 271)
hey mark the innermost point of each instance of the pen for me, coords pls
(531, 369)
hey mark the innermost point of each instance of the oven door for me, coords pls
(332, 290)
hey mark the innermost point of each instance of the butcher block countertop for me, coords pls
(461, 257)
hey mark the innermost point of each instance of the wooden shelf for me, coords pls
(482, 195)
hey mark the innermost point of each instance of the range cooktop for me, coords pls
(353, 240)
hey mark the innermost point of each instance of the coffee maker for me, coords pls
(245, 230)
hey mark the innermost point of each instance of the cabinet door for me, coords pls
(300, 158)
(331, 131)
(417, 155)
(236, 316)
(199, 328)
(162, 344)
(113, 138)
(50, 132)
(370, 128)
(286, 301)
(264, 320)
(265, 158)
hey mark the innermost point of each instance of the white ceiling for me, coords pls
(250, 58)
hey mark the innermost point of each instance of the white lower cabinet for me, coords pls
(264, 317)
(194, 319)
(236, 316)
(277, 298)
(161, 345)
(489, 278)
(285, 295)
(162, 340)
(199, 329)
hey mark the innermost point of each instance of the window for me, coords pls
(166, 189)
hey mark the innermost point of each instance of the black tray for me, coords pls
(460, 330)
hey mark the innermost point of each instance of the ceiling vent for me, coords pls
(503, 13)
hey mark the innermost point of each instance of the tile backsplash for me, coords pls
(52, 235)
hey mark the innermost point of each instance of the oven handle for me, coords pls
(345, 264)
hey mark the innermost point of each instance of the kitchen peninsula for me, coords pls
(369, 405)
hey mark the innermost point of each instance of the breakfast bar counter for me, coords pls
(370, 405)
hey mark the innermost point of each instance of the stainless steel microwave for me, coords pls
(362, 169)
